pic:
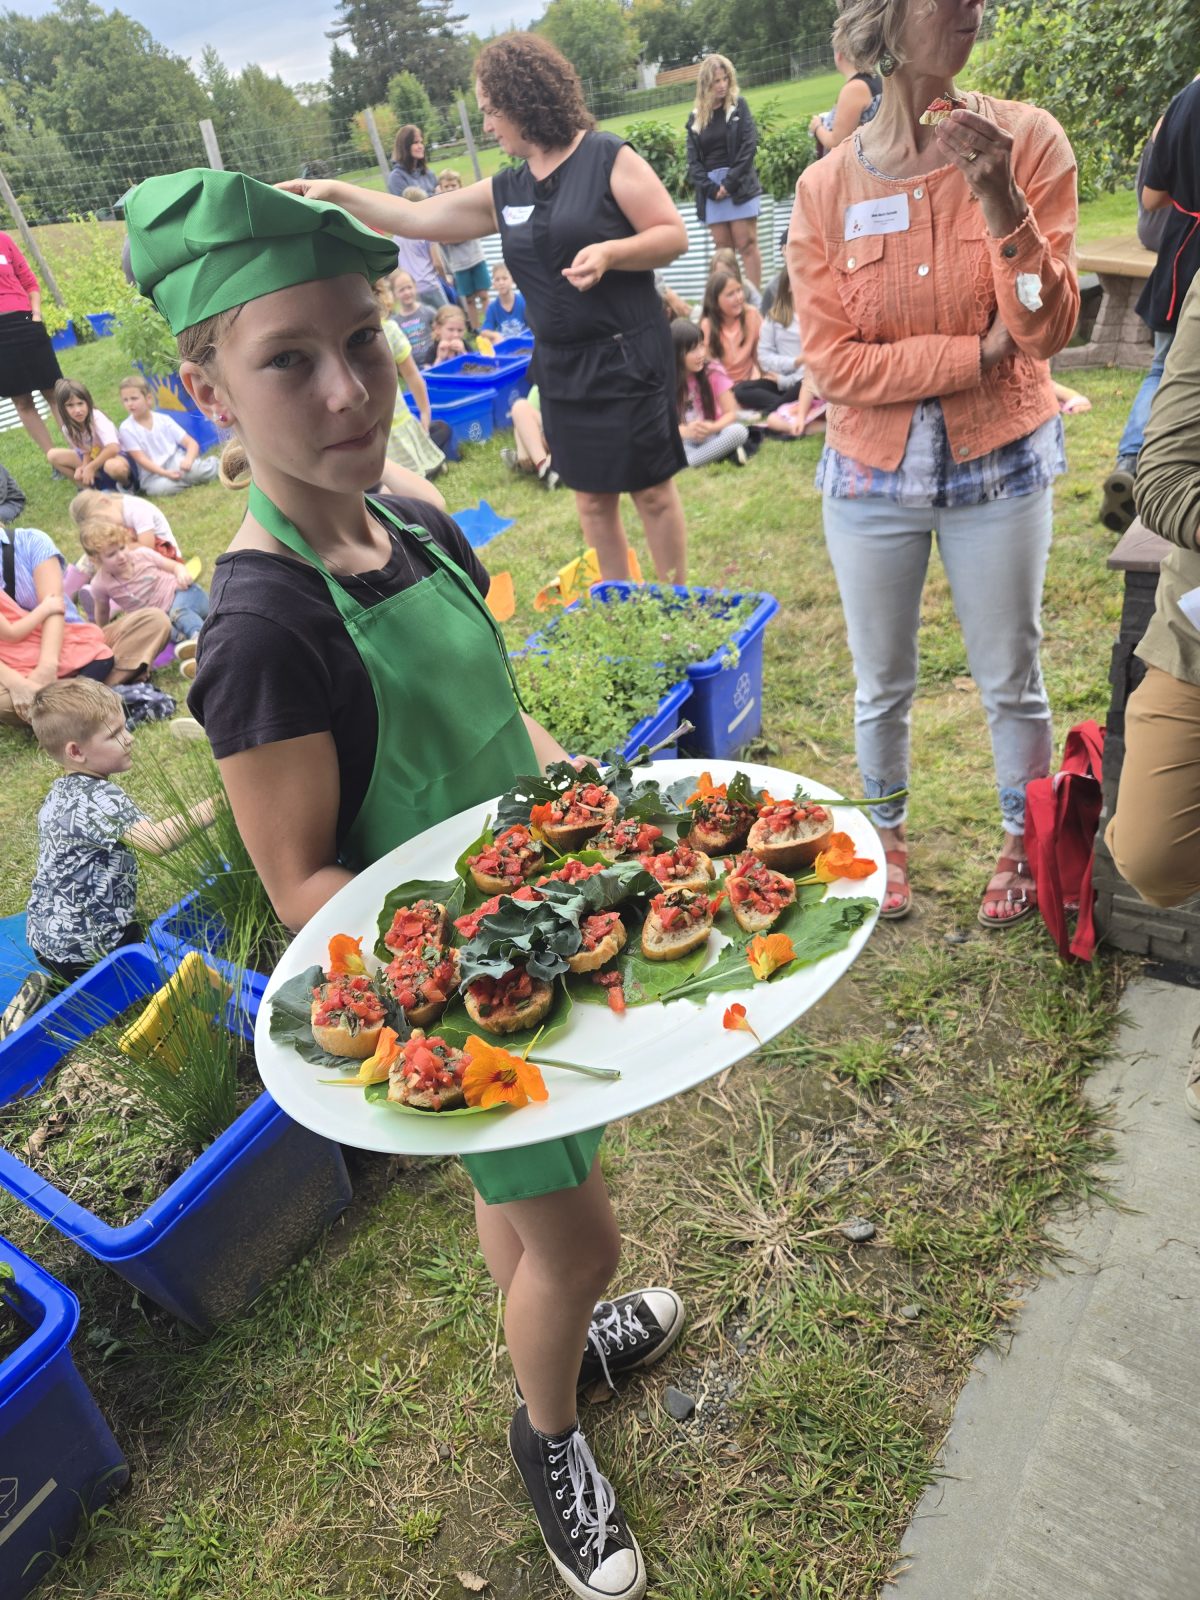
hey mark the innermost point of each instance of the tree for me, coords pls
(409, 102)
(743, 29)
(667, 30)
(386, 37)
(595, 36)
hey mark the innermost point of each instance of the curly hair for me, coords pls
(525, 78)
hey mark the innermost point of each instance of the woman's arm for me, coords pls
(284, 798)
(1167, 490)
(660, 235)
(853, 100)
(697, 172)
(454, 218)
(411, 374)
(546, 747)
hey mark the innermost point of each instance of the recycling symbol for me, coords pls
(742, 690)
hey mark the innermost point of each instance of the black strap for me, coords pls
(8, 557)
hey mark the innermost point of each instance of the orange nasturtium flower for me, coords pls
(838, 860)
(735, 1017)
(345, 956)
(495, 1077)
(706, 790)
(766, 953)
(376, 1068)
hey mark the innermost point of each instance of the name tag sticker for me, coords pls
(3, 261)
(1189, 604)
(886, 215)
(516, 215)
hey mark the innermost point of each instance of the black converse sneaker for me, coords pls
(577, 1511)
(634, 1330)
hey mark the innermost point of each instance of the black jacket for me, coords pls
(12, 497)
(741, 144)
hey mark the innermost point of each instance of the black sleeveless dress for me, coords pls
(603, 358)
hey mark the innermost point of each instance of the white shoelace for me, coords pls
(607, 1330)
(591, 1513)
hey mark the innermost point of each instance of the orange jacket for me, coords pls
(890, 319)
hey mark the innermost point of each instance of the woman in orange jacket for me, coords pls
(932, 265)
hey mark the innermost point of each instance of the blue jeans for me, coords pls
(188, 613)
(1139, 412)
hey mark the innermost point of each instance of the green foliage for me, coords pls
(784, 150)
(1076, 60)
(596, 37)
(409, 102)
(142, 334)
(386, 37)
(667, 31)
(665, 148)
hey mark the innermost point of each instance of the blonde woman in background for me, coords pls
(721, 144)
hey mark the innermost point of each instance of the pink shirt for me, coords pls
(720, 383)
(103, 433)
(17, 281)
(149, 582)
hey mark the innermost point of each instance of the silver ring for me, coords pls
(972, 155)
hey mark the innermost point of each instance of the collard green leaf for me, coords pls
(816, 931)
(377, 1094)
(291, 1020)
(485, 838)
(643, 800)
(448, 892)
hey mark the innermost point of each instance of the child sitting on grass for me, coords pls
(92, 454)
(144, 523)
(166, 456)
(83, 900)
(505, 316)
(130, 577)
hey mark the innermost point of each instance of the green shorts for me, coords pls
(534, 1170)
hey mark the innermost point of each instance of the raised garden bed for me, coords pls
(58, 1459)
(632, 658)
(245, 1207)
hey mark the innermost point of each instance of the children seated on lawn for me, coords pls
(144, 523)
(532, 453)
(130, 577)
(92, 454)
(83, 900)
(505, 316)
(411, 315)
(452, 336)
(166, 456)
(708, 422)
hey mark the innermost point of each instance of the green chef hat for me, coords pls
(202, 241)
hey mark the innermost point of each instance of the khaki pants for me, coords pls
(1154, 835)
(134, 638)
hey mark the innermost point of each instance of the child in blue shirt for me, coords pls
(505, 316)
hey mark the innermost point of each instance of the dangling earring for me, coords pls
(886, 64)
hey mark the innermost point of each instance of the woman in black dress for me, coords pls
(27, 359)
(584, 222)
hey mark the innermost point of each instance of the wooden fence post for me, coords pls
(211, 148)
(469, 137)
(377, 142)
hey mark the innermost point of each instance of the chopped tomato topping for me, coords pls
(347, 1002)
(629, 837)
(581, 804)
(677, 907)
(672, 865)
(468, 923)
(573, 872)
(498, 994)
(781, 816)
(430, 1066)
(414, 924)
(615, 985)
(597, 928)
(723, 816)
(511, 856)
(426, 976)
(754, 885)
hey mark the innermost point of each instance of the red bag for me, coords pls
(1062, 813)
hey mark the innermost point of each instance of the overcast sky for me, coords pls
(283, 36)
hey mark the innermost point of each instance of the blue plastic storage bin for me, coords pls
(726, 701)
(102, 323)
(507, 378)
(469, 418)
(246, 1208)
(64, 338)
(58, 1458)
(205, 432)
(671, 710)
(519, 346)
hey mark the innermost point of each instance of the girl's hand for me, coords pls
(982, 152)
(52, 606)
(588, 267)
(722, 193)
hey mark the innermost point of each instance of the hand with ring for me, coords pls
(982, 152)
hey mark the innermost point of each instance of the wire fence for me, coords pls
(59, 176)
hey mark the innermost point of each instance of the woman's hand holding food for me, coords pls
(982, 152)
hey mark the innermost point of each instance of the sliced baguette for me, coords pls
(751, 918)
(663, 944)
(697, 882)
(405, 1086)
(605, 950)
(338, 1040)
(435, 926)
(719, 841)
(566, 836)
(491, 882)
(798, 846)
(507, 1018)
(421, 1015)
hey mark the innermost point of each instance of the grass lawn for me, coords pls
(347, 1436)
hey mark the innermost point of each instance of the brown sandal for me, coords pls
(899, 860)
(1022, 892)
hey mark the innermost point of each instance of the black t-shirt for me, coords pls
(713, 139)
(275, 661)
(1174, 166)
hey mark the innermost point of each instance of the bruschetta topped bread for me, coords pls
(720, 825)
(603, 935)
(347, 1016)
(938, 109)
(758, 895)
(572, 872)
(427, 1074)
(621, 841)
(424, 922)
(421, 981)
(577, 814)
(513, 856)
(504, 1005)
(678, 921)
(681, 868)
(790, 834)
(468, 923)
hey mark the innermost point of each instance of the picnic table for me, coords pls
(1119, 336)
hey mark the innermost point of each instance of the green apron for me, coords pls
(450, 735)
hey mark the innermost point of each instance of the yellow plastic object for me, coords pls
(195, 566)
(576, 577)
(156, 1032)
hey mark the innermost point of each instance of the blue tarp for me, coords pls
(481, 524)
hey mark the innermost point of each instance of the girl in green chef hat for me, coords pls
(356, 691)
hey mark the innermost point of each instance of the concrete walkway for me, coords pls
(1072, 1466)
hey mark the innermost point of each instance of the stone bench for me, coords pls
(1119, 336)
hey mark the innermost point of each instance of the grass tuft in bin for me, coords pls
(212, 861)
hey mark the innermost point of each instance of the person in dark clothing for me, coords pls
(409, 169)
(721, 144)
(12, 498)
(1168, 185)
(584, 222)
